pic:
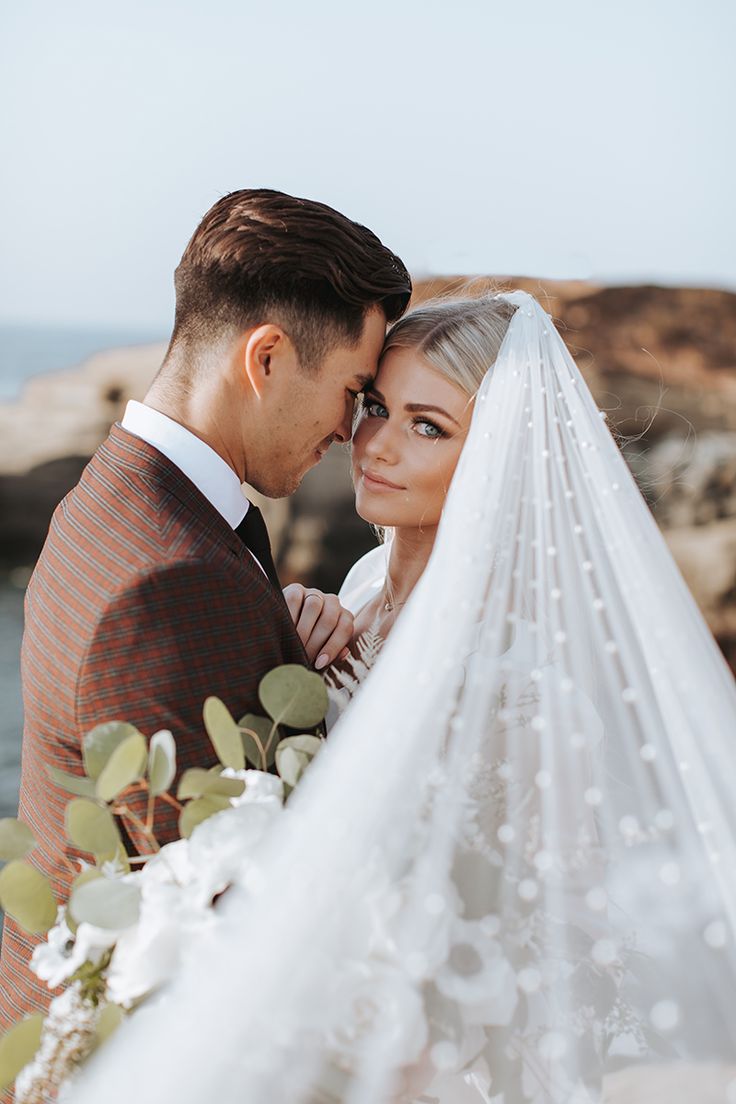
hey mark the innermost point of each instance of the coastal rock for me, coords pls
(69, 413)
(660, 361)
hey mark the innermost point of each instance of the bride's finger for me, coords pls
(294, 597)
(310, 613)
(334, 642)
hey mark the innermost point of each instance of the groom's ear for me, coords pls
(260, 352)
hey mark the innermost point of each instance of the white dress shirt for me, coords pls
(208, 472)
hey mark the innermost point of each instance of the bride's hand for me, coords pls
(325, 627)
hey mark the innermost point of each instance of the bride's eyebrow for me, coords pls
(420, 408)
(416, 408)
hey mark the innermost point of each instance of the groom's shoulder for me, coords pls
(133, 499)
(132, 522)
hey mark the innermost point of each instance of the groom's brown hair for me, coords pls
(261, 255)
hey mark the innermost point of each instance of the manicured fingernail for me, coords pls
(322, 661)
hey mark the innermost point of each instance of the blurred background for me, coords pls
(584, 152)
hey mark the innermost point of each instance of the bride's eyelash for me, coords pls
(370, 404)
(425, 421)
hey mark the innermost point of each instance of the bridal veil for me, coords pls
(510, 874)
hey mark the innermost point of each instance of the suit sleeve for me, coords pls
(171, 638)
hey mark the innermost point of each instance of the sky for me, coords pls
(565, 139)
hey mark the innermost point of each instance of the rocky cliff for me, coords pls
(660, 361)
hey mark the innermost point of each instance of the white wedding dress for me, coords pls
(509, 877)
(364, 580)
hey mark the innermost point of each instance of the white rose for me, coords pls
(223, 848)
(149, 953)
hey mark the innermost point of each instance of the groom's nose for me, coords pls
(344, 431)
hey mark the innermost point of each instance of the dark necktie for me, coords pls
(253, 533)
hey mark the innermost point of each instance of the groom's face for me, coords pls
(313, 409)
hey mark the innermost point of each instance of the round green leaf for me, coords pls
(18, 1046)
(291, 764)
(91, 827)
(161, 764)
(198, 810)
(126, 764)
(263, 728)
(99, 744)
(310, 745)
(294, 696)
(224, 734)
(197, 782)
(87, 875)
(26, 894)
(73, 783)
(105, 902)
(16, 839)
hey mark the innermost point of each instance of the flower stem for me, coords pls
(124, 811)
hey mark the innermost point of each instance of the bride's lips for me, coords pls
(377, 483)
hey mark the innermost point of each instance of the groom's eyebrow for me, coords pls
(417, 408)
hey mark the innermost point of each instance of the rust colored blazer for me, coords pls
(143, 602)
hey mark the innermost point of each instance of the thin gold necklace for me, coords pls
(390, 605)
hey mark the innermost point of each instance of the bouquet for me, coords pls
(130, 919)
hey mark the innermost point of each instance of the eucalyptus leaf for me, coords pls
(161, 764)
(25, 893)
(197, 782)
(18, 1046)
(99, 744)
(16, 839)
(294, 696)
(263, 728)
(91, 827)
(291, 764)
(224, 734)
(73, 783)
(198, 810)
(107, 903)
(127, 763)
(310, 745)
(87, 875)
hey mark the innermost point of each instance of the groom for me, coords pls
(156, 587)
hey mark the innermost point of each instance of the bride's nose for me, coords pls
(382, 444)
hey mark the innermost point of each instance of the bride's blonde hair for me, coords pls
(460, 338)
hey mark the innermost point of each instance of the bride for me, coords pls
(510, 874)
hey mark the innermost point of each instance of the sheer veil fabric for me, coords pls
(510, 875)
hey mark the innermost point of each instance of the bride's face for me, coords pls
(407, 442)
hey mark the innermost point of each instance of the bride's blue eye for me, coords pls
(435, 433)
(375, 409)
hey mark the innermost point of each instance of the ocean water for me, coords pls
(27, 351)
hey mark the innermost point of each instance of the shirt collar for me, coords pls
(207, 470)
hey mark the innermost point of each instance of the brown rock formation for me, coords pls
(661, 361)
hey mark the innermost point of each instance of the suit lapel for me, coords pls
(164, 476)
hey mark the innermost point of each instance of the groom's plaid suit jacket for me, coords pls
(143, 602)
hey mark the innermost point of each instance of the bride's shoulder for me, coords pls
(364, 579)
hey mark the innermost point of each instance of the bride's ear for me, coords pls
(260, 353)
